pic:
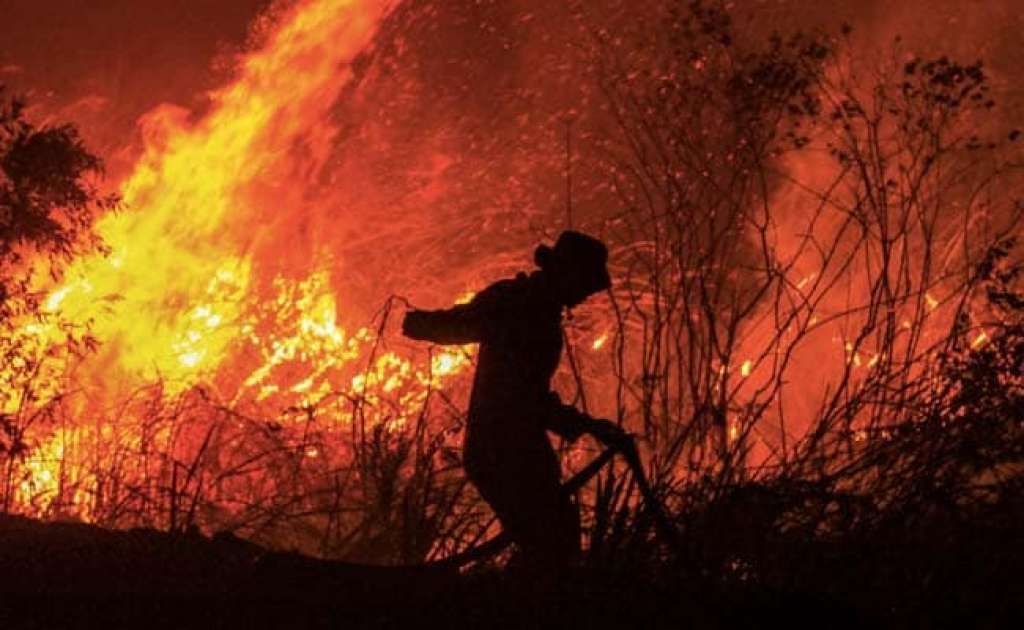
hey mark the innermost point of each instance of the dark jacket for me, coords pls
(518, 326)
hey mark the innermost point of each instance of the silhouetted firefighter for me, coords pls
(507, 454)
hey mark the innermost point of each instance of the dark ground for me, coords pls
(56, 575)
(70, 574)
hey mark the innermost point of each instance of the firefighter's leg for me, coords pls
(522, 484)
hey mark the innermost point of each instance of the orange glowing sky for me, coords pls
(104, 64)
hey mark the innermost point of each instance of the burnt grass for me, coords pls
(936, 572)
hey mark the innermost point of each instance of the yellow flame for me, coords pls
(980, 340)
(734, 431)
(803, 281)
(181, 262)
(465, 297)
(184, 286)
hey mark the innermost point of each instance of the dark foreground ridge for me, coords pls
(55, 575)
(79, 575)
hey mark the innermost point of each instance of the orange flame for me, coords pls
(190, 290)
(181, 264)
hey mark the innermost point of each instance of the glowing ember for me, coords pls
(465, 297)
(980, 340)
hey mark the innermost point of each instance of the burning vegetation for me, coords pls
(814, 327)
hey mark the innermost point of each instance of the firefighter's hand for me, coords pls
(553, 400)
(415, 325)
(607, 432)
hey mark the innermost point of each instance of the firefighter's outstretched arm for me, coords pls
(456, 325)
(461, 324)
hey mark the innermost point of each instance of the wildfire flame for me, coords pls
(181, 259)
(197, 285)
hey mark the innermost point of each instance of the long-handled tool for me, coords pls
(627, 447)
(617, 442)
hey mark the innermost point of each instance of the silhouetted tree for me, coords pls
(49, 198)
(802, 235)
